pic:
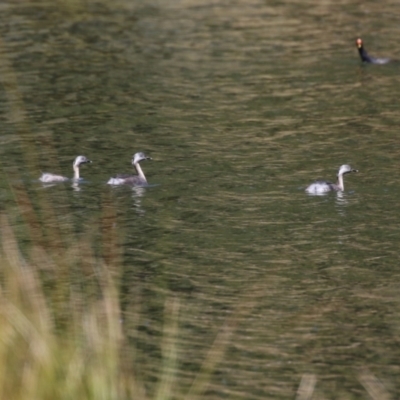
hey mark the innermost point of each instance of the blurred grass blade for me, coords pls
(169, 350)
(221, 342)
(306, 388)
(373, 386)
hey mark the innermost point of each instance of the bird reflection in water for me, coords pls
(137, 194)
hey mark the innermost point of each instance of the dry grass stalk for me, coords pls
(373, 386)
(37, 361)
(307, 386)
(87, 355)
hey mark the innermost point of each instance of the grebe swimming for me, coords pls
(365, 57)
(49, 178)
(135, 180)
(319, 187)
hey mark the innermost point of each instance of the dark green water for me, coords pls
(241, 104)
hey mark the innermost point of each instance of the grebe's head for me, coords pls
(81, 160)
(139, 157)
(345, 169)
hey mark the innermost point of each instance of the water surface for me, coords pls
(241, 105)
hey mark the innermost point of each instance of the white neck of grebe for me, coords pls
(340, 182)
(140, 172)
(76, 172)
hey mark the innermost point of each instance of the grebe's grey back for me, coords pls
(320, 187)
(51, 178)
(135, 180)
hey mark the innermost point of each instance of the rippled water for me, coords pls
(241, 104)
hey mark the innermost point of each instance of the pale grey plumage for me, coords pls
(52, 178)
(134, 180)
(320, 187)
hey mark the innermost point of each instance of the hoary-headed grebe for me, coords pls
(135, 180)
(50, 178)
(319, 187)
